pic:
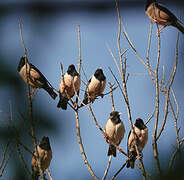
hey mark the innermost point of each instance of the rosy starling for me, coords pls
(161, 15)
(95, 87)
(45, 155)
(34, 77)
(140, 139)
(68, 86)
(115, 130)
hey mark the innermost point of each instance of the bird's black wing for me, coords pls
(85, 96)
(127, 143)
(85, 100)
(42, 78)
(167, 11)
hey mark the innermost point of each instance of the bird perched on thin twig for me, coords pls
(69, 85)
(34, 78)
(95, 86)
(45, 155)
(161, 15)
(115, 130)
(140, 139)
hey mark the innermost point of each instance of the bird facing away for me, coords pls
(34, 78)
(45, 155)
(161, 15)
(95, 86)
(115, 130)
(68, 86)
(141, 139)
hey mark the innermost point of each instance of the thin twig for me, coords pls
(22, 159)
(148, 53)
(113, 109)
(116, 81)
(4, 154)
(112, 99)
(20, 29)
(133, 47)
(154, 144)
(165, 115)
(152, 115)
(123, 71)
(107, 168)
(114, 59)
(80, 60)
(149, 42)
(113, 177)
(174, 155)
(48, 172)
(31, 107)
(82, 148)
(5, 164)
(175, 117)
(172, 79)
(109, 91)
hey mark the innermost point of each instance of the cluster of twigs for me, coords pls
(162, 88)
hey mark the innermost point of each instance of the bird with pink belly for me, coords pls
(162, 16)
(140, 138)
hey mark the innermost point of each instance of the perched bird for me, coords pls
(115, 130)
(34, 77)
(45, 155)
(68, 86)
(161, 15)
(95, 86)
(141, 139)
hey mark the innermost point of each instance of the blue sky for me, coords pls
(53, 40)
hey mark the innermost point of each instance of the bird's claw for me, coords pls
(75, 106)
(139, 156)
(119, 149)
(106, 138)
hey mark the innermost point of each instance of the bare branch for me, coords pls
(4, 154)
(31, 109)
(82, 148)
(48, 172)
(174, 155)
(22, 159)
(152, 115)
(20, 29)
(125, 93)
(133, 47)
(154, 144)
(113, 177)
(5, 164)
(80, 60)
(112, 99)
(107, 168)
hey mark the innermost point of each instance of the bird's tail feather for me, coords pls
(131, 159)
(35, 175)
(63, 101)
(50, 91)
(179, 26)
(112, 150)
(85, 101)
